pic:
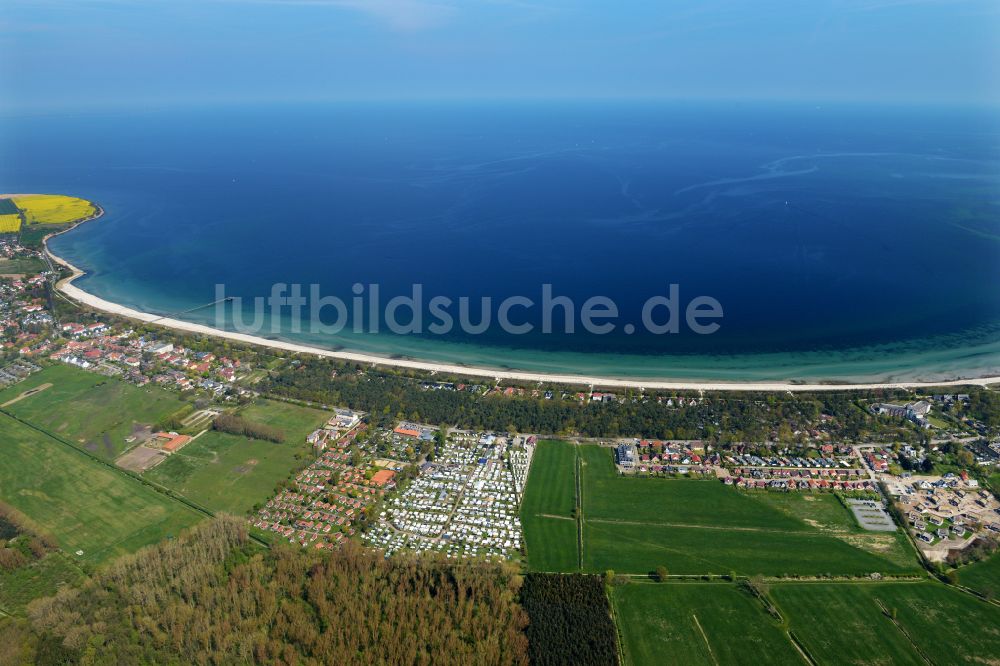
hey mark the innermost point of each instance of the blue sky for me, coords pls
(71, 53)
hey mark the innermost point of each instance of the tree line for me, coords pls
(743, 417)
(237, 425)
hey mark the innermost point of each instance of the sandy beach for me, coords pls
(67, 287)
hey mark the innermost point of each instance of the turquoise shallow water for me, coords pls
(842, 243)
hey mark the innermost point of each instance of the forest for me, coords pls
(744, 417)
(570, 620)
(213, 597)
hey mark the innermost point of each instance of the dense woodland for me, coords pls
(570, 620)
(745, 417)
(212, 597)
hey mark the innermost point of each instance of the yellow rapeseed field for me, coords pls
(10, 224)
(53, 208)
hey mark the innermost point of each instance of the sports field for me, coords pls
(848, 622)
(226, 472)
(691, 526)
(697, 623)
(80, 502)
(549, 507)
(94, 412)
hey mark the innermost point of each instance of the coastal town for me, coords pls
(323, 456)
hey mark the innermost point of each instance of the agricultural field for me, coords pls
(694, 526)
(552, 543)
(9, 223)
(983, 576)
(84, 505)
(89, 410)
(53, 208)
(640, 548)
(948, 626)
(697, 623)
(549, 507)
(842, 624)
(848, 622)
(551, 488)
(231, 473)
(825, 513)
(609, 496)
(691, 526)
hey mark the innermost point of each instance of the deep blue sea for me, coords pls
(841, 242)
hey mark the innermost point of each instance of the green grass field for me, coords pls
(844, 623)
(89, 410)
(229, 473)
(691, 526)
(949, 626)
(80, 502)
(551, 488)
(547, 510)
(608, 496)
(551, 543)
(21, 265)
(640, 548)
(692, 623)
(984, 576)
(825, 514)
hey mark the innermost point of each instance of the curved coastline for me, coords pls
(70, 290)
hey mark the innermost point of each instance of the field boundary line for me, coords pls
(613, 604)
(916, 648)
(801, 649)
(766, 530)
(701, 631)
(578, 474)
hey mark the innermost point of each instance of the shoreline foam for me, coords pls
(70, 290)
